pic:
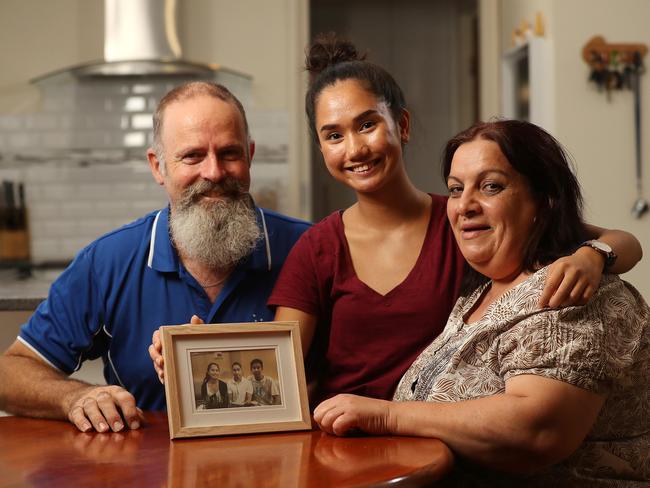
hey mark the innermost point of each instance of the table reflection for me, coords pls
(266, 460)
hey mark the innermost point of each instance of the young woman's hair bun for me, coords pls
(326, 50)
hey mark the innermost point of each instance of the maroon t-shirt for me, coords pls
(365, 341)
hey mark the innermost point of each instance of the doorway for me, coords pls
(430, 47)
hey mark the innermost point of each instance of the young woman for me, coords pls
(214, 392)
(373, 285)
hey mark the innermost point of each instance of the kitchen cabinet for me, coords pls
(528, 83)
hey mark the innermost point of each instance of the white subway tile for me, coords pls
(135, 104)
(109, 209)
(74, 208)
(142, 88)
(134, 139)
(54, 191)
(56, 140)
(59, 228)
(41, 121)
(42, 211)
(20, 140)
(95, 191)
(141, 121)
(46, 249)
(11, 122)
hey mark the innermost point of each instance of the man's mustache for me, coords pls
(229, 189)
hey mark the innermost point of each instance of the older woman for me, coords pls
(508, 385)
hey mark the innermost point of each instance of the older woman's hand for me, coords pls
(344, 413)
(572, 280)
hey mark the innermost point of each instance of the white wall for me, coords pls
(598, 134)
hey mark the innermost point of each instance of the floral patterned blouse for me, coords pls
(602, 347)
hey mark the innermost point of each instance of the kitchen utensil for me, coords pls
(22, 208)
(10, 202)
(640, 206)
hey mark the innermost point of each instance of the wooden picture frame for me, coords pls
(207, 396)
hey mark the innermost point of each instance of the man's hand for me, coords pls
(30, 387)
(572, 280)
(156, 352)
(344, 413)
(103, 408)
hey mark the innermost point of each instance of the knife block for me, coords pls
(14, 241)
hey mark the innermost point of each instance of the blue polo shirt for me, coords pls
(126, 284)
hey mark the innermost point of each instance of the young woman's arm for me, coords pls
(306, 321)
(572, 280)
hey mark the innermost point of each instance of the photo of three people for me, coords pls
(230, 379)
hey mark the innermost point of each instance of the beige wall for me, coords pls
(598, 134)
(38, 36)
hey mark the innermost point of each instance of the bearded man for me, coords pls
(211, 253)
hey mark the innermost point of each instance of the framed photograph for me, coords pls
(223, 379)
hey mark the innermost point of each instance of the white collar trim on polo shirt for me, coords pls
(266, 240)
(152, 241)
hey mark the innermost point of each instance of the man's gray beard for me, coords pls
(218, 234)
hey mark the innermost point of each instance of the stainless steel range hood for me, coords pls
(140, 39)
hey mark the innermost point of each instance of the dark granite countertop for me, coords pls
(25, 293)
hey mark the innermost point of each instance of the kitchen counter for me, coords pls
(20, 293)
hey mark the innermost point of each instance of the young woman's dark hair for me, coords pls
(540, 158)
(329, 60)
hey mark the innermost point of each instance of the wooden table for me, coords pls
(54, 454)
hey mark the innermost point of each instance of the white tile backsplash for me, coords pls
(110, 209)
(56, 140)
(41, 121)
(45, 211)
(142, 121)
(134, 139)
(11, 122)
(20, 140)
(135, 104)
(47, 249)
(70, 205)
